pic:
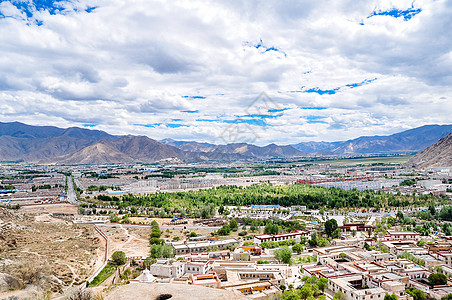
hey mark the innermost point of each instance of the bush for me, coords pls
(437, 279)
(119, 257)
(243, 233)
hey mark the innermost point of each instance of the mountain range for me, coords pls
(49, 144)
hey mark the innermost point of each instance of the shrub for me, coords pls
(119, 257)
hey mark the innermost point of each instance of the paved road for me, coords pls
(71, 195)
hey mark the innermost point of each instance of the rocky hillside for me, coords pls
(437, 155)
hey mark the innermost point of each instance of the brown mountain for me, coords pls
(98, 153)
(437, 155)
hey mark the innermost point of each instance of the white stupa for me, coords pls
(145, 277)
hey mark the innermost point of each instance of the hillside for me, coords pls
(437, 155)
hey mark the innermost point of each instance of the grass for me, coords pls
(103, 275)
(305, 260)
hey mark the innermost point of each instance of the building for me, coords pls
(196, 267)
(246, 252)
(258, 239)
(402, 235)
(349, 227)
(354, 288)
(187, 248)
(167, 269)
(210, 280)
(445, 257)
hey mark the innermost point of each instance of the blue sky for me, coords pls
(191, 70)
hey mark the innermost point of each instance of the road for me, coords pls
(71, 195)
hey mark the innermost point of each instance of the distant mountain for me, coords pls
(437, 155)
(316, 147)
(412, 140)
(249, 151)
(49, 144)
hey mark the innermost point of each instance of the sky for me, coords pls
(264, 72)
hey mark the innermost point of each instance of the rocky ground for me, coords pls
(44, 252)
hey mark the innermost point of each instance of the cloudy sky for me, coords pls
(227, 71)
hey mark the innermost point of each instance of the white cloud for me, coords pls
(144, 62)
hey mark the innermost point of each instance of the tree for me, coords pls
(306, 291)
(225, 230)
(156, 251)
(289, 295)
(432, 210)
(390, 221)
(417, 294)
(437, 279)
(339, 296)
(283, 254)
(342, 255)
(330, 227)
(298, 248)
(447, 297)
(271, 228)
(119, 257)
(147, 262)
(193, 234)
(322, 283)
(167, 251)
(282, 287)
(390, 297)
(233, 224)
(313, 241)
(399, 216)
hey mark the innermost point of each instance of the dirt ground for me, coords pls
(46, 252)
(177, 291)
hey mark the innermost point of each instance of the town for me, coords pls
(341, 229)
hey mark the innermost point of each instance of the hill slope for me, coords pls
(437, 155)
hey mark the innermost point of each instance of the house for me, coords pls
(209, 280)
(258, 239)
(245, 252)
(167, 269)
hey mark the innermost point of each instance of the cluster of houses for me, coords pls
(358, 273)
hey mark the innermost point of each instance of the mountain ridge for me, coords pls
(50, 144)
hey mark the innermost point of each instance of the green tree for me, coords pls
(339, 296)
(233, 224)
(417, 294)
(289, 295)
(271, 228)
(437, 279)
(322, 283)
(156, 251)
(330, 227)
(306, 291)
(313, 241)
(283, 254)
(225, 230)
(167, 251)
(193, 234)
(447, 297)
(119, 257)
(390, 297)
(298, 248)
